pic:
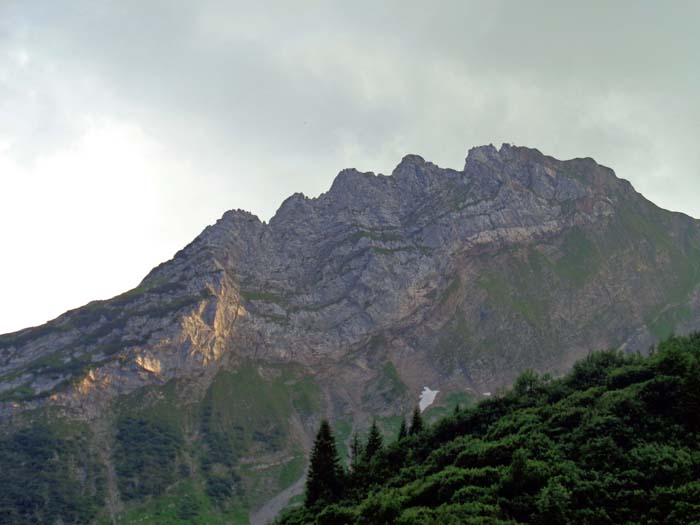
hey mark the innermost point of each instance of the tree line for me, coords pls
(615, 441)
(328, 480)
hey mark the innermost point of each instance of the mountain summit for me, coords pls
(349, 304)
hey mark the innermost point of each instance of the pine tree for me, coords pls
(324, 482)
(456, 410)
(355, 452)
(416, 422)
(374, 441)
(403, 430)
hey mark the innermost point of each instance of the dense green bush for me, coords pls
(616, 441)
(48, 478)
(145, 457)
(218, 459)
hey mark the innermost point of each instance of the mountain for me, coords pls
(209, 378)
(614, 441)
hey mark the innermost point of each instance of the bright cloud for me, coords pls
(126, 127)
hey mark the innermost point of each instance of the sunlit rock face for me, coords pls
(384, 284)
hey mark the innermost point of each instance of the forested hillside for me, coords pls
(616, 441)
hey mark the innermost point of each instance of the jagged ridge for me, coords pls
(384, 284)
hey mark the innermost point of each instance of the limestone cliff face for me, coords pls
(457, 280)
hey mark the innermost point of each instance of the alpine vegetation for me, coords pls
(617, 440)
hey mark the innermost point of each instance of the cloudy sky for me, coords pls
(127, 126)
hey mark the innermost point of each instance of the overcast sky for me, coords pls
(128, 126)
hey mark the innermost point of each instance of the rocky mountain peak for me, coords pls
(499, 192)
(239, 216)
(410, 164)
(487, 154)
(353, 188)
(293, 206)
(350, 303)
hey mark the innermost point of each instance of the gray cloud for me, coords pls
(307, 87)
(257, 100)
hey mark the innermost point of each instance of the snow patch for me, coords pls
(427, 397)
(487, 394)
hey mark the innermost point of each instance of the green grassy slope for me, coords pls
(177, 458)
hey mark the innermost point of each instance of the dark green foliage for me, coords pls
(375, 443)
(416, 422)
(217, 459)
(145, 457)
(355, 451)
(403, 430)
(48, 478)
(325, 480)
(188, 507)
(616, 441)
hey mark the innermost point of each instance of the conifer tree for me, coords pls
(416, 422)
(403, 430)
(374, 441)
(355, 452)
(325, 478)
